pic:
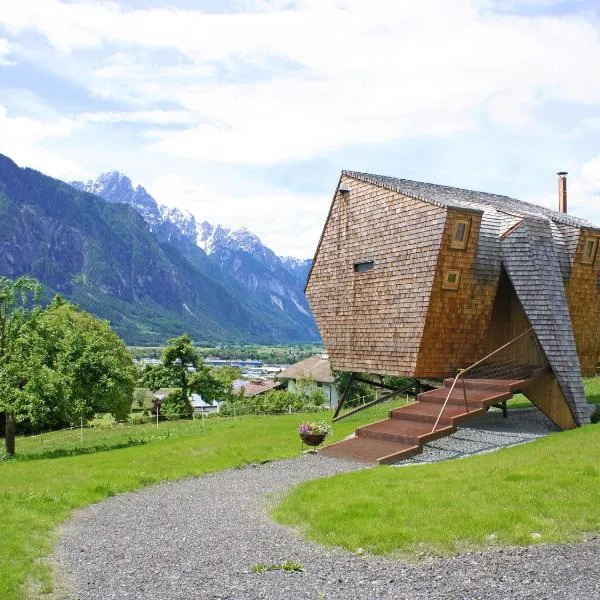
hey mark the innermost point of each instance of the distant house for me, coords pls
(254, 387)
(199, 405)
(317, 371)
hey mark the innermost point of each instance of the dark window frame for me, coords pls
(363, 266)
(590, 257)
(460, 243)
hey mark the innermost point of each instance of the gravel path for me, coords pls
(199, 538)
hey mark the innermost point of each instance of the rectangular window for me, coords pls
(451, 280)
(363, 267)
(460, 237)
(589, 250)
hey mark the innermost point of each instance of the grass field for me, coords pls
(55, 476)
(546, 491)
(37, 493)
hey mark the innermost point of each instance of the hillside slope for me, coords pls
(105, 257)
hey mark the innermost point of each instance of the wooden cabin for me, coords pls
(422, 280)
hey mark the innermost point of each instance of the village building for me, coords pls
(423, 280)
(255, 387)
(315, 371)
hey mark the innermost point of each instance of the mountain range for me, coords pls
(152, 271)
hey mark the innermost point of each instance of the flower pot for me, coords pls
(313, 439)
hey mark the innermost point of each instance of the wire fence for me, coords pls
(126, 432)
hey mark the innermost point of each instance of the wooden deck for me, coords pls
(408, 428)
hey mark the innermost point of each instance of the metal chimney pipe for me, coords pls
(562, 191)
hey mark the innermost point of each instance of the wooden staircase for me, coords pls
(408, 428)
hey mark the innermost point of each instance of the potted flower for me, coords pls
(314, 433)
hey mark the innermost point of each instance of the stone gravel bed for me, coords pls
(199, 539)
(486, 433)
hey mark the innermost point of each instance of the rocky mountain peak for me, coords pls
(117, 188)
(184, 220)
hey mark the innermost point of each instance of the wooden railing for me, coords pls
(495, 369)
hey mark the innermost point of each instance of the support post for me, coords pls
(10, 434)
(345, 395)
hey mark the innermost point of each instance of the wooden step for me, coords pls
(428, 412)
(477, 398)
(408, 432)
(370, 450)
(410, 427)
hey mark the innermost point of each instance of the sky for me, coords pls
(245, 111)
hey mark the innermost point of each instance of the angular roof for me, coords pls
(451, 197)
(314, 367)
(532, 264)
(259, 386)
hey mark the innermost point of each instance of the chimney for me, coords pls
(562, 191)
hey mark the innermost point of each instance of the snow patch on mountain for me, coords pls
(276, 300)
(117, 188)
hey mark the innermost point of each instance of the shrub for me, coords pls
(174, 406)
(137, 419)
(272, 402)
(102, 421)
(595, 418)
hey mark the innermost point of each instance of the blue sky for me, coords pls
(244, 112)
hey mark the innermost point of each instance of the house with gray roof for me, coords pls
(423, 280)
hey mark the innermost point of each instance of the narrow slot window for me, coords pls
(589, 250)
(451, 280)
(363, 267)
(460, 237)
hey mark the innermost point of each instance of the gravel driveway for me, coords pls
(199, 538)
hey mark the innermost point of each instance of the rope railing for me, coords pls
(498, 366)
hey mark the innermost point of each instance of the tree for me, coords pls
(155, 377)
(210, 384)
(91, 359)
(58, 364)
(18, 308)
(180, 358)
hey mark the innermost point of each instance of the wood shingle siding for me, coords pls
(368, 320)
(583, 294)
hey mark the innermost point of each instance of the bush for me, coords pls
(273, 402)
(174, 406)
(102, 421)
(137, 419)
(595, 418)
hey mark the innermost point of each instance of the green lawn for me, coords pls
(36, 494)
(546, 491)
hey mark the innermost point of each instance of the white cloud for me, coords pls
(355, 75)
(5, 52)
(286, 81)
(23, 138)
(150, 117)
(289, 223)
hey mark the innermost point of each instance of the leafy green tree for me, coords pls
(57, 364)
(155, 377)
(18, 308)
(210, 384)
(180, 358)
(91, 361)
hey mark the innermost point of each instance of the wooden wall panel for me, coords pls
(373, 321)
(583, 296)
(546, 394)
(509, 321)
(457, 320)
